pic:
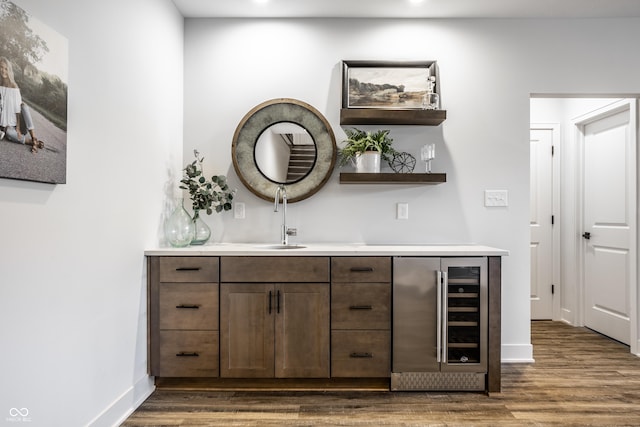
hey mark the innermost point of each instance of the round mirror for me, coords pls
(267, 145)
(285, 153)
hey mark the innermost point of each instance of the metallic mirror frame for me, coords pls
(277, 111)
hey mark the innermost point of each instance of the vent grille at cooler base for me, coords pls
(430, 381)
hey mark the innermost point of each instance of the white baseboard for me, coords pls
(517, 353)
(567, 316)
(124, 406)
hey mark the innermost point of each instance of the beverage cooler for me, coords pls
(439, 323)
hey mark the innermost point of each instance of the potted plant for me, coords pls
(366, 149)
(206, 195)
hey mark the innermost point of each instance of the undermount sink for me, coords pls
(282, 246)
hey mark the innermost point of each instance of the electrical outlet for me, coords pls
(496, 198)
(238, 210)
(402, 210)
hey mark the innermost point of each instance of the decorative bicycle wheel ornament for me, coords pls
(403, 163)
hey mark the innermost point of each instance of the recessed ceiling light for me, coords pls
(415, 1)
(260, 1)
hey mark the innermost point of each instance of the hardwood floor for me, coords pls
(580, 378)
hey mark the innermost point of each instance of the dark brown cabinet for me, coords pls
(183, 310)
(360, 317)
(274, 329)
(282, 321)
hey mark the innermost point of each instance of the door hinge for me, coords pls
(553, 219)
(553, 289)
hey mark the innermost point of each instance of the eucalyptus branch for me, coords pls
(206, 195)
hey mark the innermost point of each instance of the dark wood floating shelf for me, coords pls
(372, 116)
(392, 178)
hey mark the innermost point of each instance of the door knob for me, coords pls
(586, 235)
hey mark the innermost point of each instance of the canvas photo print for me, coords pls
(386, 85)
(33, 98)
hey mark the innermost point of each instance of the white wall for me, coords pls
(72, 272)
(488, 69)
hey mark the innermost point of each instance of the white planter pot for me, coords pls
(368, 162)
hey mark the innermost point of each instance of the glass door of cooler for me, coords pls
(464, 307)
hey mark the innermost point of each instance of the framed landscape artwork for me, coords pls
(33, 98)
(386, 85)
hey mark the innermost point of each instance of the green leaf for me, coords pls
(206, 195)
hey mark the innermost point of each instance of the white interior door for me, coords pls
(541, 205)
(609, 209)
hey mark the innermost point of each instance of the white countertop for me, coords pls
(328, 249)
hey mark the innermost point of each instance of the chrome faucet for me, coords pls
(284, 231)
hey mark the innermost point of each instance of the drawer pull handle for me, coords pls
(362, 269)
(360, 307)
(188, 269)
(361, 355)
(191, 306)
(187, 354)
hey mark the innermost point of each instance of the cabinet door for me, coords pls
(302, 330)
(246, 330)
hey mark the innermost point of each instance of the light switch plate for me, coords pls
(402, 210)
(496, 198)
(238, 210)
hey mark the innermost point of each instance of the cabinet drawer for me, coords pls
(274, 269)
(361, 269)
(189, 306)
(188, 354)
(189, 269)
(360, 354)
(360, 306)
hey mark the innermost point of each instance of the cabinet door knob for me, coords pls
(188, 269)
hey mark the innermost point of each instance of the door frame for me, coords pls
(578, 125)
(555, 207)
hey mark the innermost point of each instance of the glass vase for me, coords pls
(179, 229)
(202, 230)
